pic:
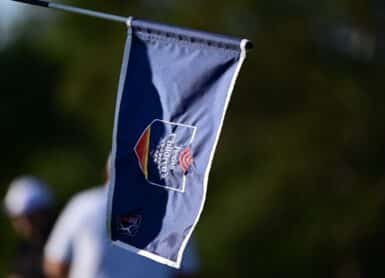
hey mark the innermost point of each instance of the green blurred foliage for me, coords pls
(297, 187)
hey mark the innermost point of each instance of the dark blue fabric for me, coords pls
(173, 101)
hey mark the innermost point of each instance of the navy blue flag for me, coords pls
(174, 90)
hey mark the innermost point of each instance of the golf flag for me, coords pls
(174, 90)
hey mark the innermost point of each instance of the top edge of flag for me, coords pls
(190, 35)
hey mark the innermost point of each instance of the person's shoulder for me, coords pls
(87, 199)
(89, 194)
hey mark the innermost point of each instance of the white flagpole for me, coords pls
(46, 4)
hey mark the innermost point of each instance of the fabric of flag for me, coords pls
(175, 87)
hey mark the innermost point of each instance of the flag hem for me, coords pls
(146, 254)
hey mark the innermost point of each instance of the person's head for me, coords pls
(28, 203)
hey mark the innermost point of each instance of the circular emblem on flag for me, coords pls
(185, 159)
(165, 155)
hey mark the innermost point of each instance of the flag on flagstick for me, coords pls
(175, 87)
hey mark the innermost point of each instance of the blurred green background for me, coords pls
(297, 188)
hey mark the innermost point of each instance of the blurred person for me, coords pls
(356, 42)
(28, 203)
(79, 248)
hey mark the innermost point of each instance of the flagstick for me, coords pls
(76, 10)
(46, 4)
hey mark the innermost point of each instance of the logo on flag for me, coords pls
(165, 154)
(185, 159)
(129, 224)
